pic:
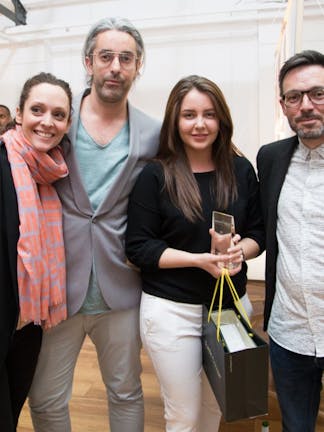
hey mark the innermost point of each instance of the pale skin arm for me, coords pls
(242, 250)
(175, 258)
(249, 247)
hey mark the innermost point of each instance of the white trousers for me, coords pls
(171, 335)
(116, 337)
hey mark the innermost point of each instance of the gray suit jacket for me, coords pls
(99, 235)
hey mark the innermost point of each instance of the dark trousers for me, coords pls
(298, 381)
(17, 373)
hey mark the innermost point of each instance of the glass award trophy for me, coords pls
(224, 227)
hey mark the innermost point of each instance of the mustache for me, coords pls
(309, 116)
(113, 77)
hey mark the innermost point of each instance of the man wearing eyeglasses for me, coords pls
(291, 174)
(111, 140)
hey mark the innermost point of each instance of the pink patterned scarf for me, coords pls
(41, 258)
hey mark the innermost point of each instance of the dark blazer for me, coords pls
(9, 233)
(272, 162)
(18, 349)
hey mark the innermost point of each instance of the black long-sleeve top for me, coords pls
(155, 224)
(9, 234)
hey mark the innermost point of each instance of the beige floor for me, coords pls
(88, 404)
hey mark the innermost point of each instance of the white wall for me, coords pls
(231, 42)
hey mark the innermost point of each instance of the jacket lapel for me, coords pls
(80, 195)
(277, 176)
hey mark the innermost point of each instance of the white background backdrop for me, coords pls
(232, 42)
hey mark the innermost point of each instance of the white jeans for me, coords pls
(246, 303)
(116, 337)
(171, 335)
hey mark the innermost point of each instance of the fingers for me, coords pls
(235, 270)
(214, 264)
(236, 239)
(212, 242)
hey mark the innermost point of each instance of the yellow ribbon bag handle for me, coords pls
(236, 298)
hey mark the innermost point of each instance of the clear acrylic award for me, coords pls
(224, 227)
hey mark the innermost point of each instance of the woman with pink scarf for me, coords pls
(32, 260)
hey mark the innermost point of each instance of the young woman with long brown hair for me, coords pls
(197, 170)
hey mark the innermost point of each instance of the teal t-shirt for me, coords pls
(99, 166)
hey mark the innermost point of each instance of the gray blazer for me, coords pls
(99, 235)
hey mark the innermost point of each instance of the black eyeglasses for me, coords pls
(294, 98)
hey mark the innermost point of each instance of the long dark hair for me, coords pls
(180, 182)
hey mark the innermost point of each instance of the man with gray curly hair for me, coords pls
(110, 140)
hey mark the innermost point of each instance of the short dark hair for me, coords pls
(304, 58)
(6, 108)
